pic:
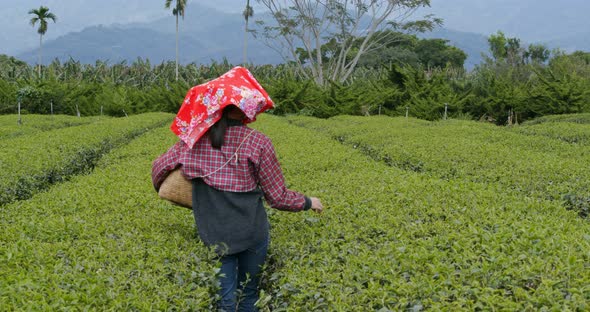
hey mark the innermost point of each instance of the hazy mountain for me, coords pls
(113, 44)
(476, 45)
(529, 20)
(572, 43)
(18, 36)
(205, 35)
(212, 30)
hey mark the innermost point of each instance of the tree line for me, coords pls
(383, 70)
(501, 89)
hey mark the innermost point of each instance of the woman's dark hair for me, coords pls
(217, 131)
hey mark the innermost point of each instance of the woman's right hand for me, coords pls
(316, 205)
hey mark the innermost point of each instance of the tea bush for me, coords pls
(34, 162)
(392, 239)
(454, 149)
(571, 132)
(105, 241)
(9, 126)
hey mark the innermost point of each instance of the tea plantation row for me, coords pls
(389, 239)
(105, 241)
(540, 165)
(30, 163)
(393, 239)
(30, 124)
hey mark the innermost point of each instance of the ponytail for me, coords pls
(217, 132)
(231, 114)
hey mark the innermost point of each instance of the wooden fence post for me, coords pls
(20, 121)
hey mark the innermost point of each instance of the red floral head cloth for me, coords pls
(204, 103)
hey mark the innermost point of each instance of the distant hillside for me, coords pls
(529, 20)
(205, 35)
(572, 43)
(110, 43)
(203, 38)
(561, 24)
(476, 45)
(18, 36)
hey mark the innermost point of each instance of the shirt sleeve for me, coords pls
(272, 183)
(162, 166)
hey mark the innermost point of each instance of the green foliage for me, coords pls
(576, 118)
(178, 8)
(518, 81)
(571, 128)
(36, 99)
(105, 241)
(390, 239)
(12, 68)
(55, 155)
(579, 204)
(425, 94)
(563, 87)
(335, 33)
(404, 49)
(7, 96)
(396, 240)
(537, 53)
(41, 15)
(437, 53)
(32, 124)
(560, 90)
(509, 50)
(498, 90)
(481, 153)
(72, 87)
(115, 100)
(288, 94)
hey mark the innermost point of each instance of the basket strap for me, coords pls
(227, 162)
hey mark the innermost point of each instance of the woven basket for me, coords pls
(177, 189)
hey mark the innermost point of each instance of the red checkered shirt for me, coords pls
(256, 164)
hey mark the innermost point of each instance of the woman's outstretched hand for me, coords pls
(316, 205)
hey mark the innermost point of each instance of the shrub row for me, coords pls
(105, 241)
(390, 239)
(30, 124)
(466, 150)
(394, 240)
(576, 118)
(571, 132)
(32, 163)
(92, 98)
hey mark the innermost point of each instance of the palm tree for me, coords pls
(41, 15)
(248, 12)
(176, 11)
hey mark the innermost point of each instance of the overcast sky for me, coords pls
(521, 18)
(74, 15)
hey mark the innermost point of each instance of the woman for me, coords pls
(232, 167)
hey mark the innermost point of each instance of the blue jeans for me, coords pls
(240, 277)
